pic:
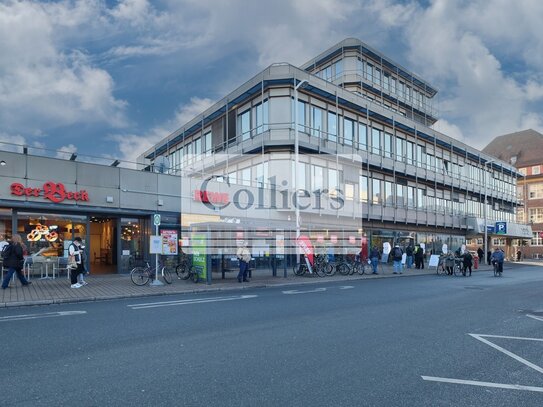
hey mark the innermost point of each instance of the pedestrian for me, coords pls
(416, 256)
(374, 258)
(244, 257)
(74, 254)
(409, 256)
(397, 254)
(13, 259)
(449, 263)
(80, 277)
(467, 260)
(3, 243)
(419, 255)
(488, 257)
(519, 255)
(498, 258)
(480, 254)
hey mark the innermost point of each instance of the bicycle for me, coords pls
(185, 270)
(458, 268)
(141, 275)
(320, 267)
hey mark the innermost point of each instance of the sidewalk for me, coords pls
(116, 286)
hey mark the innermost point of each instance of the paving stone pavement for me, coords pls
(114, 286)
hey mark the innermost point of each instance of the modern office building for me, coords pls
(370, 169)
(524, 150)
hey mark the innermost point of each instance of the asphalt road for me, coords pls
(362, 343)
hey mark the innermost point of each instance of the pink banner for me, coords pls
(307, 247)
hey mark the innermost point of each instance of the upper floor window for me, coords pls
(388, 145)
(536, 215)
(535, 191)
(376, 141)
(207, 142)
(260, 112)
(348, 131)
(332, 126)
(535, 170)
(522, 171)
(363, 188)
(362, 136)
(245, 125)
(316, 121)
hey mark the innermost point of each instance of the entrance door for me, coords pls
(102, 253)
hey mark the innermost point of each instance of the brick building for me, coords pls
(524, 150)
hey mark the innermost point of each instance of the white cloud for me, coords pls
(131, 145)
(462, 48)
(42, 85)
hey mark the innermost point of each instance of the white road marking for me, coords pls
(512, 337)
(505, 351)
(316, 290)
(346, 287)
(483, 384)
(534, 317)
(190, 301)
(37, 316)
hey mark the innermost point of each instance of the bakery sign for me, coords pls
(54, 191)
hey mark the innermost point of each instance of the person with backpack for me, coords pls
(409, 256)
(397, 254)
(13, 259)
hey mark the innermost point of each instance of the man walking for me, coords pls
(409, 256)
(397, 254)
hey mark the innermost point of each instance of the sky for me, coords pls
(109, 79)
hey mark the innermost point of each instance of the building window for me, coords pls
(409, 151)
(362, 136)
(363, 188)
(348, 131)
(332, 127)
(535, 191)
(245, 125)
(400, 195)
(535, 170)
(389, 194)
(260, 114)
(349, 192)
(318, 178)
(522, 171)
(376, 141)
(245, 177)
(207, 146)
(399, 149)
(536, 215)
(411, 197)
(301, 116)
(376, 191)
(262, 175)
(333, 184)
(388, 145)
(316, 121)
(537, 240)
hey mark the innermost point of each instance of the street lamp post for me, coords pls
(296, 161)
(484, 212)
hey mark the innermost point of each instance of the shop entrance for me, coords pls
(103, 245)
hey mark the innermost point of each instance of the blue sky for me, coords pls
(111, 78)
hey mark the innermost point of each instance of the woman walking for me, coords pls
(14, 261)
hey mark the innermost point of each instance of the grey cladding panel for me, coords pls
(40, 168)
(97, 175)
(139, 181)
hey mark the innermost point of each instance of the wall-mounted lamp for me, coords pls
(160, 202)
(3, 163)
(109, 199)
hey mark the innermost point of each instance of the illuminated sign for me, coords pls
(55, 192)
(211, 197)
(40, 231)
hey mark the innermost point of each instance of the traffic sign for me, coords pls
(156, 220)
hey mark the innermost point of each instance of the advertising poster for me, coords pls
(280, 245)
(199, 251)
(307, 247)
(169, 242)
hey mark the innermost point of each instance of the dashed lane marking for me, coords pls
(316, 290)
(44, 315)
(535, 317)
(190, 301)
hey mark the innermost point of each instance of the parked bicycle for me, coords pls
(185, 270)
(142, 275)
(320, 267)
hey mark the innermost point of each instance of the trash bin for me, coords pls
(475, 262)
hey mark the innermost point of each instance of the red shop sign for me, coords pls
(55, 192)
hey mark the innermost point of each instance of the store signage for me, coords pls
(211, 197)
(245, 198)
(169, 242)
(55, 192)
(501, 228)
(39, 231)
